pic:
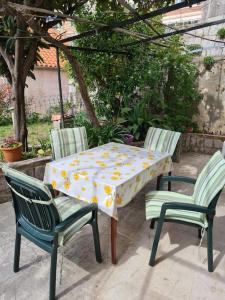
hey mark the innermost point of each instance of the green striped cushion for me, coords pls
(155, 200)
(66, 206)
(210, 181)
(26, 178)
(161, 140)
(68, 141)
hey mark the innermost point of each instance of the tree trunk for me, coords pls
(19, 113)
(19, 87)
(78, 74)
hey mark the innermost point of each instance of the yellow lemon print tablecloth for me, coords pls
(109, 175)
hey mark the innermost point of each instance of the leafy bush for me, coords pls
(221, 33)
(209, 62)
(45, 147)
(33, 118)
(5, 113)
(108, 132)
(151, 86)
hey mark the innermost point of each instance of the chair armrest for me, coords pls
(76, 216)
(51, 189)
(176, 178)
(185, 206)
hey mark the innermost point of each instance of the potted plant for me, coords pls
(11, 149)
(128, 138)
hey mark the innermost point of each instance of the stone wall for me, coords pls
(33, 167)
(211, 115)
(201, 143)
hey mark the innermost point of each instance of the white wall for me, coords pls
(44, 92)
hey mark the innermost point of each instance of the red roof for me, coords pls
(49, 58)
(49, 55)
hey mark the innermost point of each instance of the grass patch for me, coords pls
(35, 131)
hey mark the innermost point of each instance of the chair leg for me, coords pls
(199, 233)
(152, 225)
(96, 241)
(158, 182)
(210, 245)
(17, 252)
(169, 182)
(155, 243)
(53, 267)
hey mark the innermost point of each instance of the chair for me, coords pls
(162, 140)
(46, 221)
(223, 150)
(196, 210)
(67, 141)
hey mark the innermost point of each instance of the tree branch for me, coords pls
(30, 59)
(8, 60)
(22, 8)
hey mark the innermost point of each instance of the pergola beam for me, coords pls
(25, 8)
(133, 20)
(179, 31)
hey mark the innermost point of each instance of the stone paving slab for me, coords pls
(181, 271)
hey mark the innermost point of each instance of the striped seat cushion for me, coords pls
(155, 200)
(67, 141)
(66, 206)
(161, 140)
(210, 181)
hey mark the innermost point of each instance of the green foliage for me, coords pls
(193, 47)
(29, 154)
(5, 114)
(108, 132)
(45, 146)
(55, 109)
(221, 33)
(151, 86)
(33, 118)
(209, 62)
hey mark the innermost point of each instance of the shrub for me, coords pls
(221, 33)
(108, 132)
(209, 62)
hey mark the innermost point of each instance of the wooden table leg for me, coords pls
(113, 240)
(158, 182)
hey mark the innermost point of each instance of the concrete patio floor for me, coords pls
(180, 272)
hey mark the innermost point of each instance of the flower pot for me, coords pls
(128, 138)
(189, 129)
(12, 154)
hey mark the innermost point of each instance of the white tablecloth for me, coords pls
(110, 175)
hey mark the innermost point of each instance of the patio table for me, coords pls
(110, 175)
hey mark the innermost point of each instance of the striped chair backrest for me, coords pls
(161, 140)
(32, 199)
(210, 181)
(68, 141)
(223, 150)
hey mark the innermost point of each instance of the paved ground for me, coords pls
(181, 272)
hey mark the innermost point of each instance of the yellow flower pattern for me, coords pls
(119, 200)
(108, 189)
(76, 176)
(66, 185)
(94, 199)
(63, 173)
(109, 175)
(109, 202)
(54, 184)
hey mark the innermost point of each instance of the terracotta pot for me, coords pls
(12, 154)
(189, 130)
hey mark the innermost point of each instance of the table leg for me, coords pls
(113, 240)
(158, 182)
